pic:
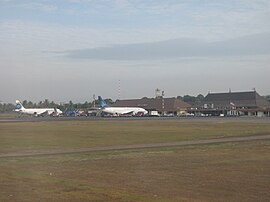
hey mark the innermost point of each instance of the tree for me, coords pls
(85, 105)
(52, 104)
(189, 99)
(200, 97)
(192, 100)
(25, 103)
(39, 104)
(30, 104)
(46, 103)
(6, 107)
(109, 101)
(71, 105)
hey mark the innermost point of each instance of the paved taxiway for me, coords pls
(180, 119)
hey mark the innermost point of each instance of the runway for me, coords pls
(180, 119)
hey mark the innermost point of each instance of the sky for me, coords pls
(65, 50)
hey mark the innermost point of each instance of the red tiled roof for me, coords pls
(159, 104)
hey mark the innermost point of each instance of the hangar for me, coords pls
(157, 106)
(233, 104)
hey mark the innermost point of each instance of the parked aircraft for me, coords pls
(71, 112)
(118, 111)
(37, 111)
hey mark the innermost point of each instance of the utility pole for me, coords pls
(94, 98)
(119, 89)
(163, 103)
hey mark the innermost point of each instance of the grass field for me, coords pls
(77, 134)
(9, 115)
(221, 172)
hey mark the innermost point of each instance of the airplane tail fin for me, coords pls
(19, 105)
(101, 102)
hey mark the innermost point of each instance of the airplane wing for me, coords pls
(128, 112)
(54, 112)
(118, 112)
(43, 113)
(125, 112)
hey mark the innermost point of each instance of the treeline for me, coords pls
(85, 105)
(41, 104)
(267, 97)
(51, 104)
(192, 100)
(6, 107)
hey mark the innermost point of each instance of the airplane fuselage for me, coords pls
(39, 111)
(124, 110)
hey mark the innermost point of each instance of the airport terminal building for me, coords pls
(157, 106)
(233, 104)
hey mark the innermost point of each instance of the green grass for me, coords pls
(80, 134)
(9, 115)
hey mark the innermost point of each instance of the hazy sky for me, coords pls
(71, 49)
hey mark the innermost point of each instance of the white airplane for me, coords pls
(120, 110)
(37, 111)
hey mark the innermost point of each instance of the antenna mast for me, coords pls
(94, 98)
(119, 89)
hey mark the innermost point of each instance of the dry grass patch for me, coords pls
(223, 172)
